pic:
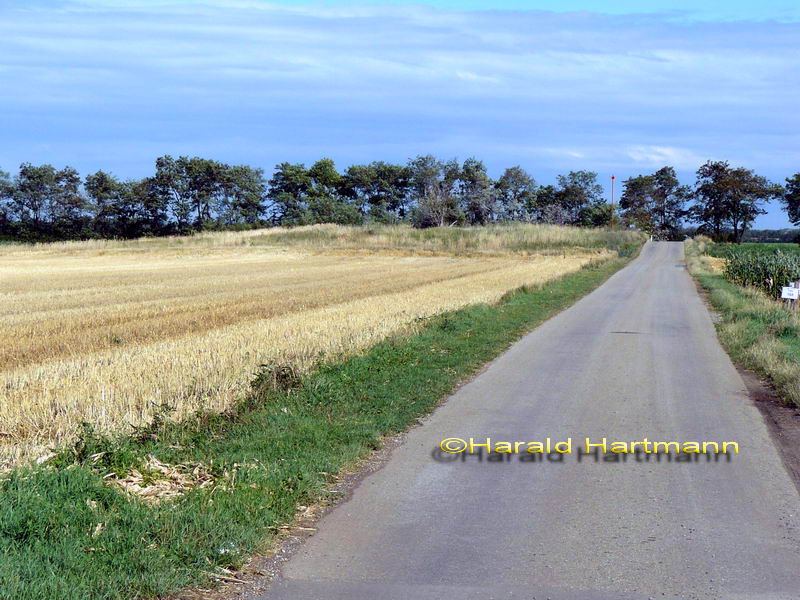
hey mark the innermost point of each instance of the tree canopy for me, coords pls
(187, 194)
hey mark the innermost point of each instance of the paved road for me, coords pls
(636, 358)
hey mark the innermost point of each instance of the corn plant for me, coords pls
(765, 271)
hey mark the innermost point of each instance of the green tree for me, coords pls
(655, 203)
(637, 201)
(516, 195)
(172, 184)
(6, 197)
(710, 207)
(728, 200)
(104, 192)
(432, 183)
(580, 196)
(791, 199)
(35, 190)
(288, 190)
(548, 207)
(670, 203)
(244, 190)
(68, 211)
(326, 203)
(325, 179)
(476, 192)
(379, 190)
(145, 209)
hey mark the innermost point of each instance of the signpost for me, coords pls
(791, 294)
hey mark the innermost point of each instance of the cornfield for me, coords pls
(768, 272)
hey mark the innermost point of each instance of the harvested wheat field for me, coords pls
(106, 332)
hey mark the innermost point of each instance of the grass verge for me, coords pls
(756, 331)
(66, 533)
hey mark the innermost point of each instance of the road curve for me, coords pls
(636, 358)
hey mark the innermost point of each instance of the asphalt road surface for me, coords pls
(636, 358)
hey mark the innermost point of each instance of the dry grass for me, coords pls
(512, 238)
(714, 263)
(106, 331)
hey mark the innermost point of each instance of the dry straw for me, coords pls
(106, 331)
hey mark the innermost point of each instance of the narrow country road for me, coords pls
(637, 358)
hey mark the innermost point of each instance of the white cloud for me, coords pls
(659, 156)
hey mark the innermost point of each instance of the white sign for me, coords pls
(790, 293)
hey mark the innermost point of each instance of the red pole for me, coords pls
(613, 177)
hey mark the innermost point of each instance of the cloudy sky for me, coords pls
(619, 87)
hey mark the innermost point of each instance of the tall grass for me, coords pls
(510, 238)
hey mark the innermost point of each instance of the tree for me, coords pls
(476, 192)
(580, 196)
(637, 202)
(516, 195)
(288, 189)
(655, 203)
(670, 203)
(727, 200)
(438, 208)
(325, 203)
(548, 208)
(6, 196)
(747, 194)
(244, 190)
(47, 203)
(791, 199)
(710, 205)
(35, 190)
(104, 193)
(379, 190)
(432, 184)
(146, 209)
(68, 211)
(204, 180)
(172, 184)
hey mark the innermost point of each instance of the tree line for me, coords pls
(188, 194)
(723, 203)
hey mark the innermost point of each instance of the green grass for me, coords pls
(755, 330)
(276, 451)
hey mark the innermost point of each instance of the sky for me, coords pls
(619, 87)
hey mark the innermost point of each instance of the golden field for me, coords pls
(104, 332)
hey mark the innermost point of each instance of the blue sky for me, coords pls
(684, 9)
(617, 87)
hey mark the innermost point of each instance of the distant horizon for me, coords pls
(624, 90)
